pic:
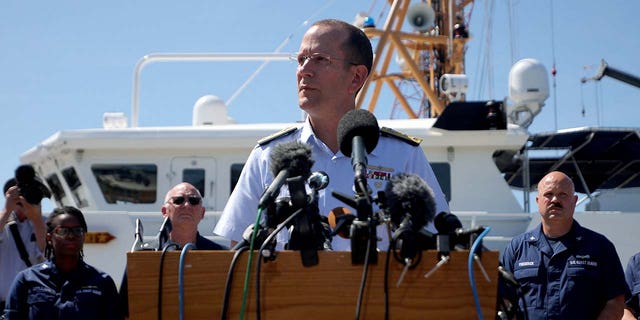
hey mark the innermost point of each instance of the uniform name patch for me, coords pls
(526, 263)
(89, 290)
(583, 263)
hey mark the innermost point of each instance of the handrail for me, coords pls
(169, 57)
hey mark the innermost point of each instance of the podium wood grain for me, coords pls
(328, 290)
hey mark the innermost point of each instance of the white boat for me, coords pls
(121, 172)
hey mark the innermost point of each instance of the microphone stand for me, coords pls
(404, 245)
(363, 229)
(303, 236)
(138, 242)
(444, 253)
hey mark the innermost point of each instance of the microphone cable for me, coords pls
(162, 255)
(245, 289)
(227, 286)
(363, 281)
(186, 248)
(266, 242)
(472, 280)
(386, 283)
(398, 257)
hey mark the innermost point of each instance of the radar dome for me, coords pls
(528, 82)
(210, 110)
(528, 89)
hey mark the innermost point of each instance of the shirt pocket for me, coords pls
(40, 303)
(526, 274)
(530, 283)
(90, 301)
(580, 279)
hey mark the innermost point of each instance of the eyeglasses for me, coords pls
(179, 200)
(318, 59)
(64, 231)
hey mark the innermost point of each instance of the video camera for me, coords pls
(31, 187)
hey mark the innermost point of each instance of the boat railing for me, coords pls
(192, 57)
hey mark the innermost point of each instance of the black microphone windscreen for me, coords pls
(292, 155)
(409, 193)
(358, 122)
(446, 223)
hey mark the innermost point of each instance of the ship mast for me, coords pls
(436, 49)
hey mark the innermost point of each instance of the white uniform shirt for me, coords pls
(10, 261)
(390, 157)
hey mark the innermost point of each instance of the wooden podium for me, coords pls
(328, 290)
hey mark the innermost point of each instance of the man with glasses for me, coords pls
(183, 206)
(333, 63)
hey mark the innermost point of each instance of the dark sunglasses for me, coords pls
(194, 201)
(64, 231)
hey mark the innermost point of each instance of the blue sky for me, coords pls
(64, 63)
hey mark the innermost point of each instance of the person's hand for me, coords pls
(33, 212)
(14, 202)
(12, 198)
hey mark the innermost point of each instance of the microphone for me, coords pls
(288, 159)
(318, 180)
(509, 277)
(358, 135)
(310, 232)
(138, 243)
(409, 194)
(463, 238)
(411, 205)
(446, 224)
(163, 233)
(461, 232)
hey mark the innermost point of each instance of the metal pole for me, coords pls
(198, 57)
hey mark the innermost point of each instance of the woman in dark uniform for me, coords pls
(64, 286)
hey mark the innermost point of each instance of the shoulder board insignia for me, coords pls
(388, 132)
(282, 133)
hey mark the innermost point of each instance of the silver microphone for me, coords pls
(318, 180)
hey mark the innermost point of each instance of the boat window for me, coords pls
(127, 183)
(57, 191)
(71, 177)
(442, 170)
(236, 169)
(195, 177)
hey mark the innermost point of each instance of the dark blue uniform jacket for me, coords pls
(574, 280)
